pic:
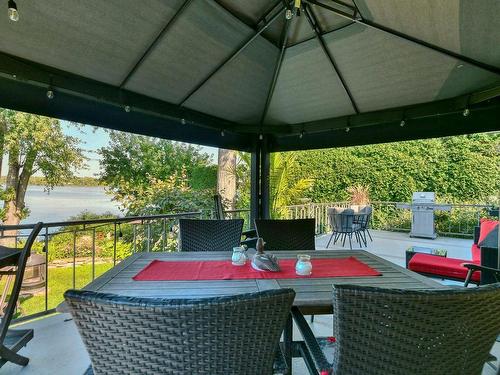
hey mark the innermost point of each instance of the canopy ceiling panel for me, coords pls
(304, 65)
(90, 38)
(341, 73)
(384, 71)
(249, 11)
(200, 40)
(238, 91)
(468, 27)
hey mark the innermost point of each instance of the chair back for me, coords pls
(16, 289)
(383, 331)
(218, 207)
(295, 234)
(365, 216)
(225, 335)
(341, 220)
(209, 235)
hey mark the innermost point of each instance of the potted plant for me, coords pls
(359, 197)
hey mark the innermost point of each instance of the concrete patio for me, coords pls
(58, 349)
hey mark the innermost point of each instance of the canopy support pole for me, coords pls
(259, 182)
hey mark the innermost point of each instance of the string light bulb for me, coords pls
(12, 11)
(466, 112)
(127, 108)
(261, 137)
(402, 123)
(297, 7)
(288, 14)
(347, 130)
(222, 134)
(50, 94)
(301, 135)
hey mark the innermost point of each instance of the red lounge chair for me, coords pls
(453, 268)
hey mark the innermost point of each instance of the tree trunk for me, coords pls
(12, 215)
(226, 177)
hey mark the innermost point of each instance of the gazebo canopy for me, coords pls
(228, 73)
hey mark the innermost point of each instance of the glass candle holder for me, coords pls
(239, 258)
(303, 267)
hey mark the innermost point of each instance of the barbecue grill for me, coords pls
(422, 211)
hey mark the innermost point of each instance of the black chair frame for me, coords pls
(11, 341)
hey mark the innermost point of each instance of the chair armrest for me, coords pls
(476, 267)
(311, 343)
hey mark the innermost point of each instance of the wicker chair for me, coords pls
(249, 236)
(225, 335)
(12, 340)
(209, 235)
(404, 332)
(287, 234)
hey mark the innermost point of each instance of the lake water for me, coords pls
(66, 201)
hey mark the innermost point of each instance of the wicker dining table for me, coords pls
(313, 295)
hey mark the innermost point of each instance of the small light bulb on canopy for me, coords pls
(12, 12)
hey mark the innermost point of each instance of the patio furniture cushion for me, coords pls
(486, 226)
(491, 239)
(446, 267)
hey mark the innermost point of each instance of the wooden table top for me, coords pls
(313, 295)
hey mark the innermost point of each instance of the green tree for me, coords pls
(34, 144)
(284, 189)
(151, 175)
(458, 169)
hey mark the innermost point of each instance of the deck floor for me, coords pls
(58, 349)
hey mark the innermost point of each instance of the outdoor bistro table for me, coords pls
(313, 295)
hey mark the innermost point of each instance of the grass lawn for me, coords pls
(60, 280)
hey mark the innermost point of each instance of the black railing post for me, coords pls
(46, 247)
(93, 254)
(74, 259)
(114, 245)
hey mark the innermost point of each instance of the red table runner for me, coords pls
(223, 270)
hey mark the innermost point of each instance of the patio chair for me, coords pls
(345, 223)
(12, 340)
(225, 335)
(209, 235)
(249, 236)
(406, 332)
(295, 234)
(364, 221)
(483, 252)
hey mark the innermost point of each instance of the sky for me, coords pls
(93, 138)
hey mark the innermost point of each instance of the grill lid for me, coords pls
(424, 197)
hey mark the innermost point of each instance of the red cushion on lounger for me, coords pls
(476, 252)
(485, 227)
(440, 266)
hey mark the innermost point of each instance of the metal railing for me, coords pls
(76, 252)
(459, 222)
